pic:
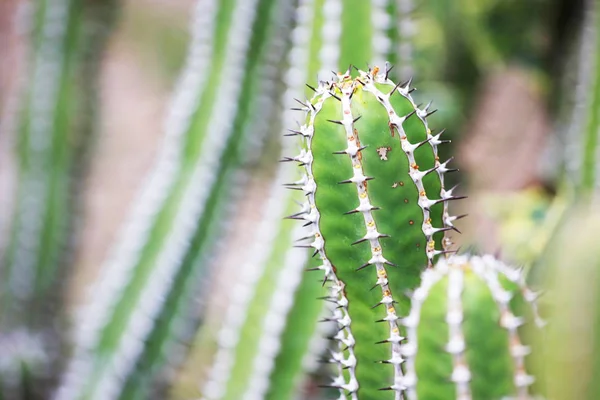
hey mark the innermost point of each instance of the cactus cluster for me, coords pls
(373, 176)
(404, 316)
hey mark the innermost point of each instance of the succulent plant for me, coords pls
(572, 338)
(464, 332)
(373, 177)
(54, 125)
(143, 305)
(282, 313)
(403, 317)
(583, 134)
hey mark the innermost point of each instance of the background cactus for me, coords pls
(158, 265)
(474, 308)
(572, 337)
(55, 122)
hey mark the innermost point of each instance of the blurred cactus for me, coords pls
(56, 121)
(572, 362)
(143, 303)
(473, 307)
(582, 140)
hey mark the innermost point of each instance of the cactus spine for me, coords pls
(372, 177)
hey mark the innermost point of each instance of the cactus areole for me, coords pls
(378, 208)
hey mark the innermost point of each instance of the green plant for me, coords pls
(474, 309)
(402, 316)
(55, 123)
(271, 338)
(373, 175)
(571, 363)
(143, 303)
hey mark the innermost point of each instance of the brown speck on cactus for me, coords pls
(383, 151)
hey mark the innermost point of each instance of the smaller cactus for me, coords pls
(473, 308)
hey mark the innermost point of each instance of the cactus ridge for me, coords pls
(455, 277)
(340, 92)
(312, 215)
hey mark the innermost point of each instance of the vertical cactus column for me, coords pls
(55, 124)
(261, 357)
(144, 301)
(378, 210)
(464, 335)
(572, 359)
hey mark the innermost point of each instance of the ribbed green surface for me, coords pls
(206, 231)
(357, 31)
(591, 135)
(177, 307)
(247, 350)
(572, 359)
(44, 164)
(56, 125)
(288, 369)
(487, 352)
(433, 364)
(394, 192)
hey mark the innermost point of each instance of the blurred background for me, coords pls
(506, 78)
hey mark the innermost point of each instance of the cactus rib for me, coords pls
(369, 80)
(405, 27)
(359, 179)
(158, 240)
(337, 289)
(274, 321)
(381, 21)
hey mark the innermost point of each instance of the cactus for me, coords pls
(373, 176)
(582, 143)
(473, 308)
(269, 361)
(143, 304)
(572, 363)
(55, 126)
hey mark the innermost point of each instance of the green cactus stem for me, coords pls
(143, 303)
(572, 359)
(591, 143)
(473, 308)
(275, 353)
(55, 125)
(379, 212)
